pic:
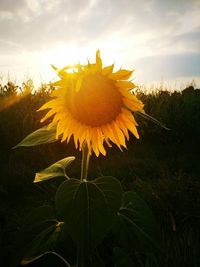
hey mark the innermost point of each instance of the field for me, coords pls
(162, 167)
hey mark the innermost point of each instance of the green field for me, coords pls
(162, 167)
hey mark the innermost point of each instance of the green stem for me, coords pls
(85, 162)
(80, 258)
(84, 172)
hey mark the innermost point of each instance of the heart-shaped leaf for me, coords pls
(137, 228)
(49, 258)
(43, 241)
(41, 232)
(55, 170)
(38, 215)
(88, 208)
(122, 259)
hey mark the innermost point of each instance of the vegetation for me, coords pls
(162, 168)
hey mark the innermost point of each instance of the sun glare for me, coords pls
(60, 54)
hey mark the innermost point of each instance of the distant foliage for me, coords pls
(179, 111)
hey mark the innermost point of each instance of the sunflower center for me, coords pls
(98, 101)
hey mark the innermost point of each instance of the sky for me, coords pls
(160, 39)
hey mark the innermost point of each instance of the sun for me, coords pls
(72, 53)
(59, 55)
(62, 53)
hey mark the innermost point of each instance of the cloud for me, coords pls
(40, 26)
(170, 66)
(133, 29)
(36, 25)
(188, 42)
(12, 6)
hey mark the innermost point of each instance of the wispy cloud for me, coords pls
(132, 29)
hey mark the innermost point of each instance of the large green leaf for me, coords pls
(38, 215)
(38, 137)
(137, 228)
(41, 232)
(122, 259)
(88, 208)
(49, 258)
(44, 241)
(55, 170)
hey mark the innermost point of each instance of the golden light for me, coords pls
(73, 54)
(38, 64)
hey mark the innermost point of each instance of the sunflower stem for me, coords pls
(80, 258)
(85, 162)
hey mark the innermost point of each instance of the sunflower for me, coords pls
(93, 105)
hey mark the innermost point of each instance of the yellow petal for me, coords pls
(132, 105)
(130, 124)
(87, 135)
(106, 140)
(133, 129)
(125, 84)
(82, 135)
(48, 115)
(100, 141)
(51, 104)
(129, 116)
(60, 72)
(94, 142)
(111, 135)
(50, 125)
(107, 70)
(98, 61)
(67, 132)
(59, 83)
(118, 134)
(121, 75)
(122, 126)
(76, 133)
(79, 83)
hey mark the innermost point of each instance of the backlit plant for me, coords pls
(92, 105)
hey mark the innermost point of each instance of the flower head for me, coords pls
(94, 105)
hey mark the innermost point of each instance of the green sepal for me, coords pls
(88, 209)
(55, 170)
(39, 137)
